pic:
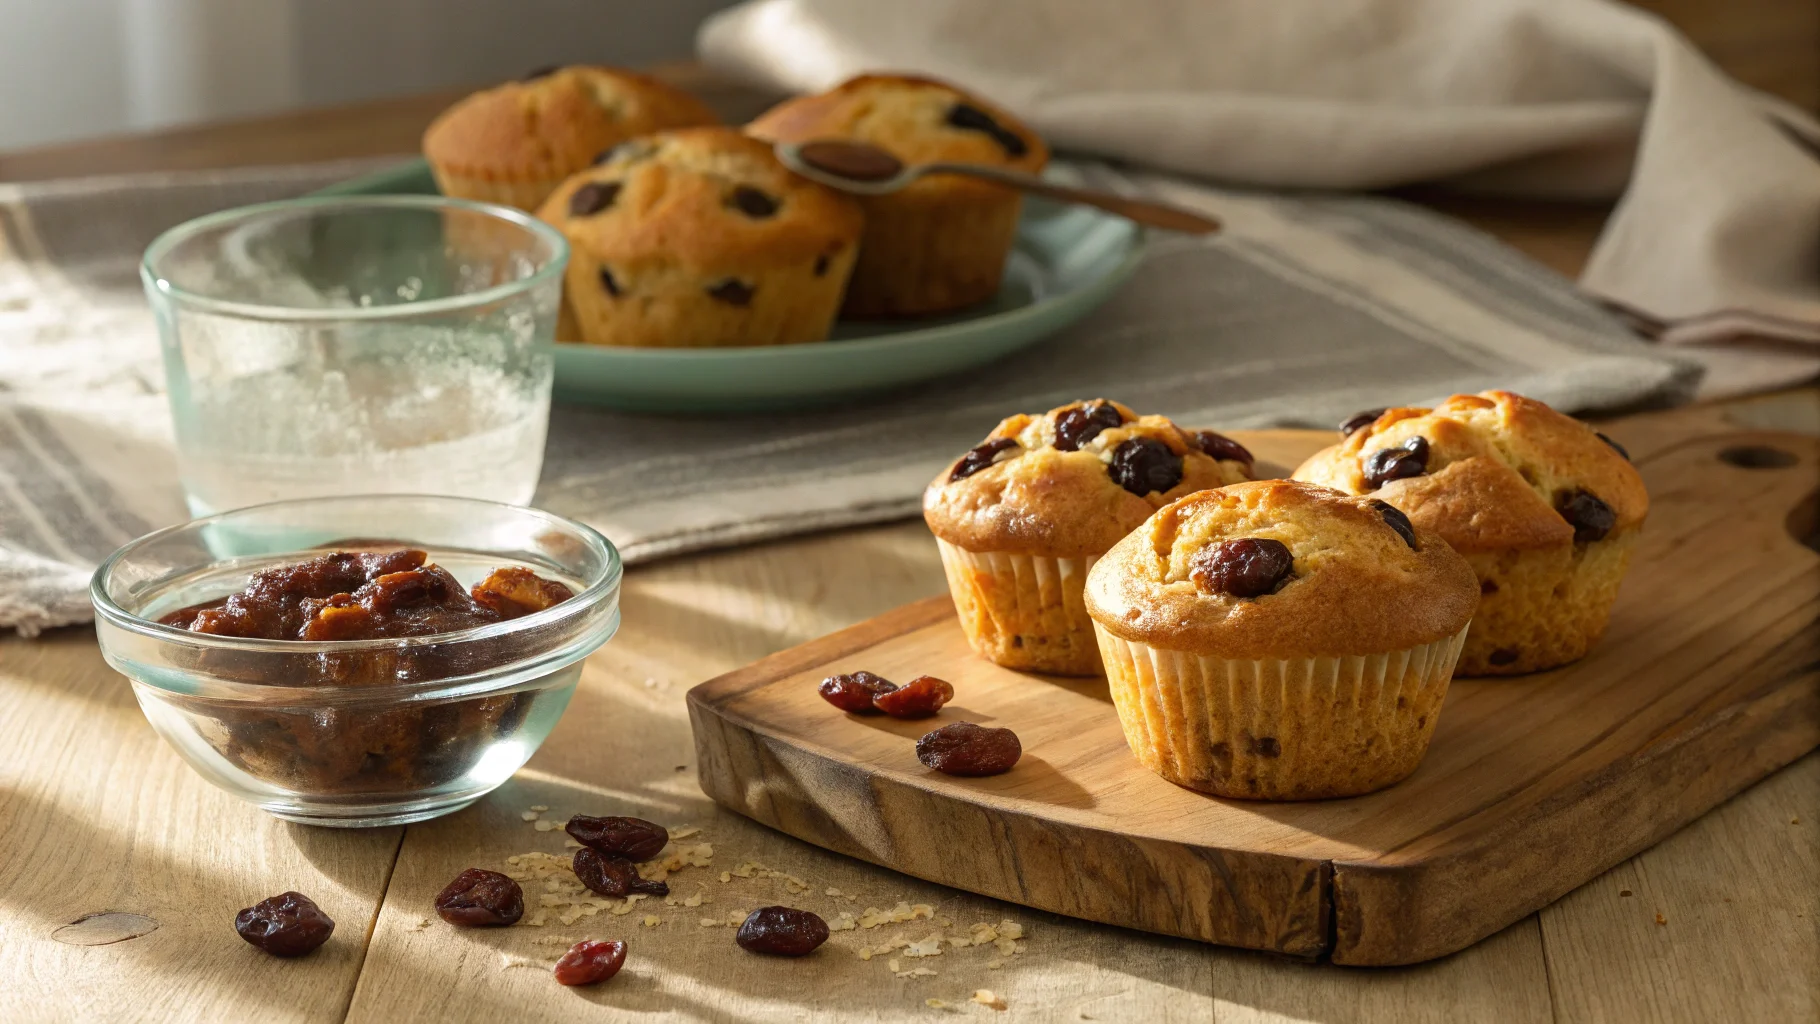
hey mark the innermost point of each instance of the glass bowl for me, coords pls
(415, 727)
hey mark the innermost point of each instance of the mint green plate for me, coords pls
(1065, 262)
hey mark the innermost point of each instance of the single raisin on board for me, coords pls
(1591, 518)
(1615, 446)
(1144, 464)
(980, 456)
(753, 203)
(1387, 464)
(918, 698)
(288, 924)
(1220, 446)
(1081, 424)
(650, 886)
(607, 875)
(972, 118)
(589, 962)
(782, 931)
(853, 692)
(969, 750)
(635, 839)
(479, 898)
(593, 197)
(1396, 520)
(1358, 421)
(1247, 567)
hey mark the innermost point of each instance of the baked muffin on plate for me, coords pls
(940, 244)
(1021, 518)
(515, 143)
(699, 237)
(1277, 640)
(1545, 509)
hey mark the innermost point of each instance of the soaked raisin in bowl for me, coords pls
(358, 661)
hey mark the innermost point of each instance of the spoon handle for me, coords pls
(1143, 211)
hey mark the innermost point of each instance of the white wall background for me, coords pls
(72, 69)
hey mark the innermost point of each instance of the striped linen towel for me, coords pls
(1307, 308)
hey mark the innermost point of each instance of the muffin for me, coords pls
(699, 237)
(940, 244)
(515, 143)
(1276, 640)
(1021, 518)
(1545, 509)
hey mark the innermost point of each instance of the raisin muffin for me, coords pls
(515, 143)
(1021, 518)
(1277, 640)
(699, 237)
(940, 244)
(1545, 509)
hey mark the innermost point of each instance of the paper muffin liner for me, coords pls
(1279, 729)
(933, 252)
(1023, 611)
(1542, 609)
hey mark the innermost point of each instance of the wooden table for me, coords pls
(96, 814)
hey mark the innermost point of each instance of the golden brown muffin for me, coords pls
(1545, 509)
(1021, 518)
(939, 244)
(699, 237)
(515, 143)
(1281, 641)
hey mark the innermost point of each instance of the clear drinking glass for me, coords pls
(357, 345)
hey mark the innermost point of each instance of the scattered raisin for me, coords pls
(1615, 446)
(632, 838)
(607, 875)
(593, 197)
(970, 750)
(972, 118)
(607, 282)
(589, 962)
(288, 924)
(854, 691)
(1220, 446)
(733, 292)
(1081, 424)
(1396, 520)
(919, 698)
(753, 203)
(1387, 464)
(1359, 420)
(1247, 567)
(782, 931)
(650, 886)
(1591, 518)
(478, 897)
(1144, 464)
(981, 456)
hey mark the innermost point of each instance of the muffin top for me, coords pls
(1070, 482)
(555, 121)
(1281, 569)
(707, 198)
(1488, 472)
(917, 120)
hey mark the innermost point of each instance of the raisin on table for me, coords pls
(854, 692)
(918, 698)
(969, 750)
(607, 875)
(590, 962)
(479, 898)
(288, 924)
(635, 839)
(782, 931)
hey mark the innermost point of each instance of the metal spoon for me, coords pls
(870, 171)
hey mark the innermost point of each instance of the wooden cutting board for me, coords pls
(1708, 679)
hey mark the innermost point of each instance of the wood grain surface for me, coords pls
(1705, 682)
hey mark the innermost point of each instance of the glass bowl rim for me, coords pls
(170, 238)
(584, 601)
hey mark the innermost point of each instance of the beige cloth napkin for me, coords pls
(1715, 241)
